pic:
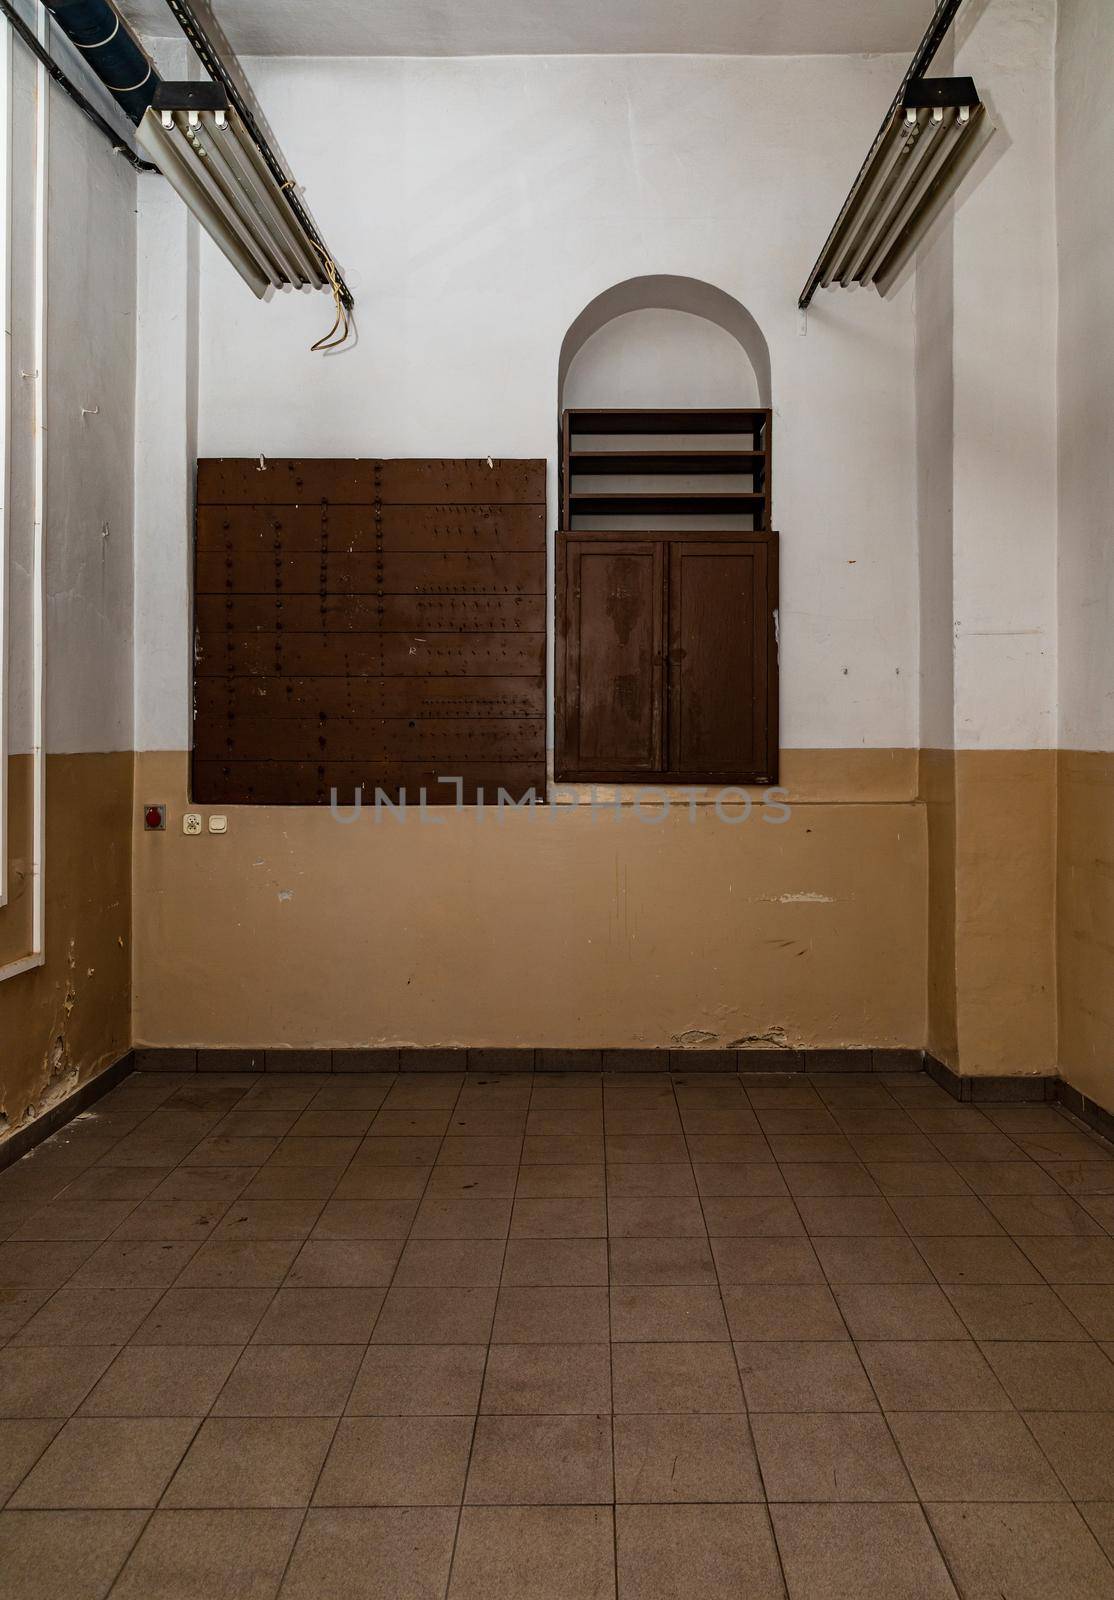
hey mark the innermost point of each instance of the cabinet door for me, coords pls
(610, 694)
(722, 685)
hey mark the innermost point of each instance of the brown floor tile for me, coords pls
(252, 1462)
(551, 1316)
(466, 1219)
(1080, 1448)
(74, 1219)
(1054, 1376)
(559, 1219)
(345, 1263)
(828, 1178)
(771, 1311)
(671, 1459)
(974, 1456)
(404, 1152)
(204, 1316)
(22, 1442)
(223, 1150)
(324, 1123)
(718, 1552)
(864, 1552)
(296, 1380)
(564, 1149)
(1099, 1517)
(1051, 1215)
(978, 1261)
(483, 1183)
(64, 1555)
(541, 1461)
(547, 1379)
(871, 1261)
(381, 1553)
(718, 1147)
(195, 1555)
(679, 1217)
(784, 1375)
(1014, 1311)
(1070, 1146)
(162, 1381)
(330, 1154)
(782, 1261)
(633, 1149)
(916, 1177)
(643, 1314)
(1101, 1208)
(105, 1463)
(932, 1375)
(661, 1261)
(364, 1182)
(232, 1263)
(898, 1311)
(18, 1306)
(797, 1120)
(191, 1220)
(450, 1263)
(320, 1316)
(292, 1183)
(49, 1382)
(635, 1180)
(268, 1219)
(1093, 1304)
(435, 1316)
(815, 1458)
(1072, 1260)
(480, 1150)
(812, 1149)
(364, 1219)
(849, 1217)
(396, 1461)
(419, 1381)
(255, 1123)
(675, 1377)
(952, 1216)
(739, 1178)
(752, 1217)
(29, 1266)
(540, 1262)
(88, 1316)
(1032, 1552)
(133, 1263)
(1006, 1177)
(534, 1553)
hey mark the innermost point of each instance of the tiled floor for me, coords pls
(557, 1338)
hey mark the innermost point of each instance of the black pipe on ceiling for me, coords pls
(111, 49)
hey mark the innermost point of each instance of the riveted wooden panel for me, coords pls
(377, 621)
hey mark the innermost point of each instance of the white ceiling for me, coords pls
(555, 27)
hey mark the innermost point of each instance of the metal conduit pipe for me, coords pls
(111, 49)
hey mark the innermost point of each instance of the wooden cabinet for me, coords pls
(667, 657)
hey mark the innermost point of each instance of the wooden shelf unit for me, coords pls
(646, 459)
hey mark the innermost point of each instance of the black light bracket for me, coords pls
(925, 94)
(191, 96)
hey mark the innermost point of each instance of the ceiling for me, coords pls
(555, 27)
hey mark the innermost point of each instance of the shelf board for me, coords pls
(659, 503)
(661, 421)
(640, 462)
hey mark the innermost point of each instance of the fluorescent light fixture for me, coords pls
(922, 155)
(205, 152)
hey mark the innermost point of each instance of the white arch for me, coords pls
(666, 292)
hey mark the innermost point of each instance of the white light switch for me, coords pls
(218, 824)
(191, 823)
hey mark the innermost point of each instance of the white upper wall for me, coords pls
(1084, 157)
(90, 416)
(477, 206)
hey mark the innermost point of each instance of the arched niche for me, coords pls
(645, 330)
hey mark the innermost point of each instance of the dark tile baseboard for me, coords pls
(467, 1059)
(32, 1133)
(991, 1090)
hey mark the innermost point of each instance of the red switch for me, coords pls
(154, 819)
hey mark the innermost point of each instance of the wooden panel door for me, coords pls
(610, 691)
(722, 693)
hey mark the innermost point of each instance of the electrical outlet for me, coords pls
(192, 823)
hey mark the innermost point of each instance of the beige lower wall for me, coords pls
(555, 929)
(1085, 921)
(67, 1020)
(990, 966)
